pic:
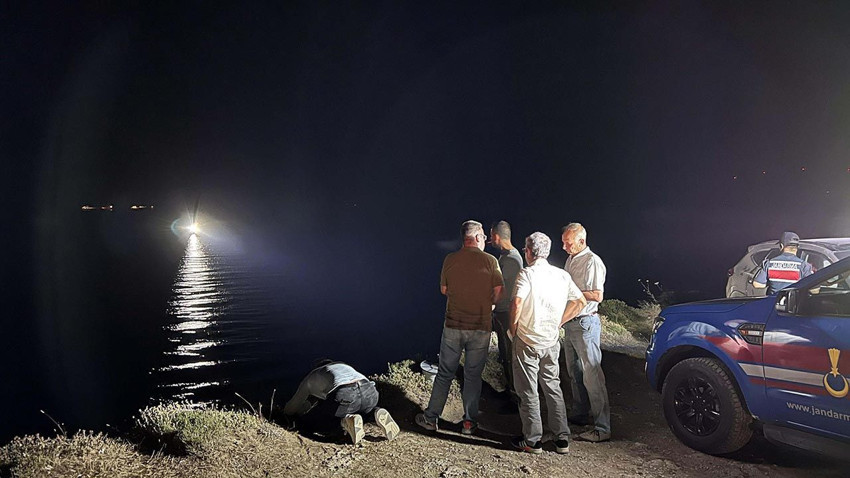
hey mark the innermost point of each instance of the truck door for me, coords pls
(807, 357)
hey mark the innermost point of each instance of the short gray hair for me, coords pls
(471, 228)
(539, 245)
(580, 231)
(503, 229)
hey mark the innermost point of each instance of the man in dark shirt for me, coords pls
(511, 263)
(472, 282)
(784, 269)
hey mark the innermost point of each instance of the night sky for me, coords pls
(400, 121)
(677, 132)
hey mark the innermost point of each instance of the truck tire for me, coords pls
(703, 407)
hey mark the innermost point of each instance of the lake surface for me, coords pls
(115, 311)
(131, 310)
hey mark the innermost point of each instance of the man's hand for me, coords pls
(514, 322)
(288, 422)
(573, 308)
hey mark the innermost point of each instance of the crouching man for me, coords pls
(545, 298)
(341, 393)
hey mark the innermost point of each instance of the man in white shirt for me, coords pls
(582, 348)
(545, 299)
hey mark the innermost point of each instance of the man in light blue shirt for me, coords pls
(345, 394)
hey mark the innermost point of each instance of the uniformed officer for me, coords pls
(784, 269)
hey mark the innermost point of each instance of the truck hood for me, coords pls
(715, 306)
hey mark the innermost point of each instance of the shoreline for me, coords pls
(185, 439)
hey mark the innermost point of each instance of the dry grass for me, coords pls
(188, 440)
(493, 373)
(84, 454)
(626, 329)
(190, 429)
(416, 387)
(636, 320)
(193, 442)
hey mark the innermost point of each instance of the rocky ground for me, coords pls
(642, 444)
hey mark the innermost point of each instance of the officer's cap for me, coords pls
(789, 239)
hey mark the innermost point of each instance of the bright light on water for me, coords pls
(192, 365)
(222, 326)
(198, 299)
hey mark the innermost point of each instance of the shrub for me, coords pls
(186, 428)
(416, 386)
(649, 310)
(84, 454)
(614, 329)
(636, 321)
(403, 375)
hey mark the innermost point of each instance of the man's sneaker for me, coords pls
(522, 445)
(469, 427)
(595, 436)
(386, 422)
(562, 446)
(424, 423)
(353, 425)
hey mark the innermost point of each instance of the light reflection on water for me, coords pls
(241, 320)
(215, 325)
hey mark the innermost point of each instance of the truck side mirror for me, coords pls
(786, 301)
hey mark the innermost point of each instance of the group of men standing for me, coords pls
(526, 307)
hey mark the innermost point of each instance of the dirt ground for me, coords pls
(642, 444)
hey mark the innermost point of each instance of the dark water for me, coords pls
(220, 328)
(117, 311)
(131, 310)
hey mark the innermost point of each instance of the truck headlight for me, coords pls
(659, 321)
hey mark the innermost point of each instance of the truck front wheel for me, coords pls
(703, 407)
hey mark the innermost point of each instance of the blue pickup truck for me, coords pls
(726, 368)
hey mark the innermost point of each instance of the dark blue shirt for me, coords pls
(782, 271)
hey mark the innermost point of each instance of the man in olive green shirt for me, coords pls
(472, 282)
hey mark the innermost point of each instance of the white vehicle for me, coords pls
(817, 252)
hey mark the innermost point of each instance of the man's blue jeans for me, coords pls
(455, 341)
(583, 357)
(359, 397)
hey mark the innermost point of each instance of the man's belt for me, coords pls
(585, 315)
(362, 381)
